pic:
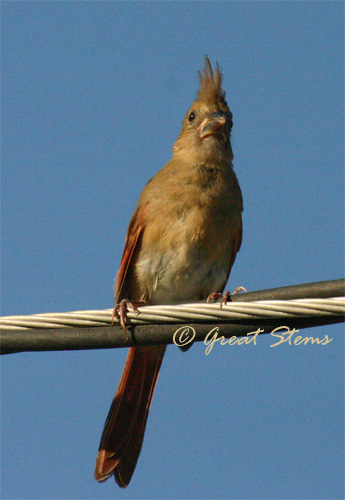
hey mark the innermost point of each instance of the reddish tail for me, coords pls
(124, 428)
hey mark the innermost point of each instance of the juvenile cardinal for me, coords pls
(180, 246)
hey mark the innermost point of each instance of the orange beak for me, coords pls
(213, 124)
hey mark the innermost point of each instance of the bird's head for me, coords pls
(207, 125)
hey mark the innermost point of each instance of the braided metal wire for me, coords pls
(197, 313)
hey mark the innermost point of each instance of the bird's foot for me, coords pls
(226, 296)
(239, 289)
(120, 311)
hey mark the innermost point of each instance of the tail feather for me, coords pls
(124, 428)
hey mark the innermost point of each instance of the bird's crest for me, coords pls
(210, 84)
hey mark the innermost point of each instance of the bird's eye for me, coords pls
(191, 116)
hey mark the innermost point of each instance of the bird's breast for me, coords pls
(187, 245)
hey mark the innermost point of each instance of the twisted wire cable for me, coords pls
(196, 313)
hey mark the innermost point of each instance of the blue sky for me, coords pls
(93, 96)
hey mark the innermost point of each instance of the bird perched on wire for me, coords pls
(181, 244)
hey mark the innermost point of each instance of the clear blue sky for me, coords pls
(93, 95)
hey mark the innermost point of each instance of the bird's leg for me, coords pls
(226, 296)
(120, 311)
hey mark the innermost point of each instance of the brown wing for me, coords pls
(124, 285)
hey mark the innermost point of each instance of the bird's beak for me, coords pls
(213, 124)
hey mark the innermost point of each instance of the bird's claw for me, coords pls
(239, 289)
(226, 296)
(120, 311)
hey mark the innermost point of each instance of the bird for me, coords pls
(180, 246)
